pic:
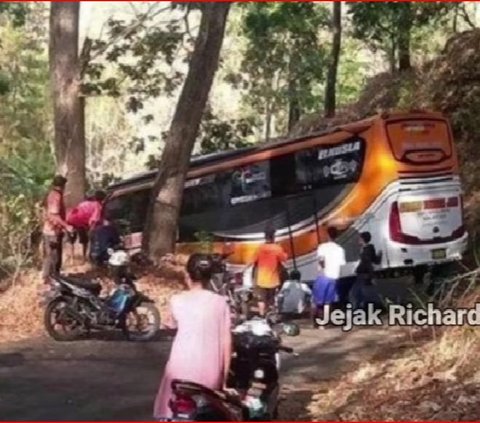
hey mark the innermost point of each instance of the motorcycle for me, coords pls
(254, 377)
(230, 285)
(75, 306)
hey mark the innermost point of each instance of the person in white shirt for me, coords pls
(331, 258)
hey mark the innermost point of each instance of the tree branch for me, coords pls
(466, 17)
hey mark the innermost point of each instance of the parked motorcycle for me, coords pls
(75, 306)
(230, 285)
(254, 377)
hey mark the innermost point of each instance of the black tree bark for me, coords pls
(161, 227)
(330, 90)
(404, 35)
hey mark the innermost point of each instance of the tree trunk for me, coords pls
(161, 227)
(294, 111)
(404, 62)
(392, 56)
(404, 34)
(268, 119)
(330, 89)
(455, 18)
(68, 105)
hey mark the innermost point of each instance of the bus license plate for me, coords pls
(439, 254)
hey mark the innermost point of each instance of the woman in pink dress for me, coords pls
(202, 348)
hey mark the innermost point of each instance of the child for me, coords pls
(104, 237)
(294, 295)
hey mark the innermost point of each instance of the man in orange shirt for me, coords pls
(54, 225)
(269, 258)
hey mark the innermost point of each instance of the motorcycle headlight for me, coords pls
(259, 374)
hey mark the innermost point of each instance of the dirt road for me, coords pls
(110, 379)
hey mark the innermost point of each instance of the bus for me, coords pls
(394, 175)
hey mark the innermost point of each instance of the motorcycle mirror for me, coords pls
(291, 329)
(110, 251)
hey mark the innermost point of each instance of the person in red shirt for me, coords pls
(54, 225)
(83, 219)
(269, 258)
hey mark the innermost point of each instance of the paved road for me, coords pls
(110, 379)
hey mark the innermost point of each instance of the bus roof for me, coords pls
(206, 159)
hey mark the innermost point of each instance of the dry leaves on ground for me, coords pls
(21, 312)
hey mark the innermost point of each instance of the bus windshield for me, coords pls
(420, 141)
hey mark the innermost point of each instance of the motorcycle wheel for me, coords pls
(142, 323)
(59, 323)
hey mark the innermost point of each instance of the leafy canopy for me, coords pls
(284, 58)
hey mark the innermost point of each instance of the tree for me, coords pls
(68, 104)
(25, 134)
(389, 26)
(284, 59)
(330, 89)
(161, 227)
(221, 135)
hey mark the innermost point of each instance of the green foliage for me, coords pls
(383, 24)
(284, 59)
(15, 12)
(217, 135)
(206, 241)
(214, 135)
(136, 57)
(108, 133)
(26, 163)
(353, 72)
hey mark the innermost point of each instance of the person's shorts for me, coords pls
(81, 234)
(324, 291)
(265, 295)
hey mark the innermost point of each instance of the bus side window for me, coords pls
(306, 168)
(204, 197)
(250, 183)
(283, 175)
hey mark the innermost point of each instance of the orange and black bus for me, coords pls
(394, 175)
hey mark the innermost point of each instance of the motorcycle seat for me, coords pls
(87, 284)
(183, 385)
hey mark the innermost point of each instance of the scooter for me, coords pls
(254, 377)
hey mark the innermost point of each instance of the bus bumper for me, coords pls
(403, 255)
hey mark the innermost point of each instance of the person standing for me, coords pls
(84, 218)
(269, 260)
(54, 225)
(364, 271)
(103, 237)
(202, 349)
(331, 258)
